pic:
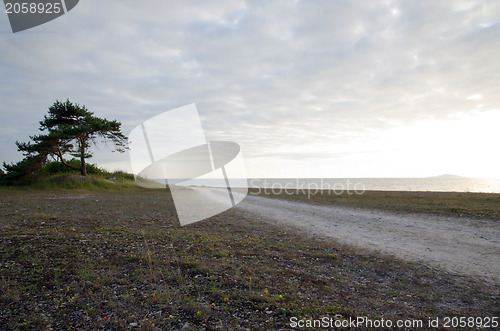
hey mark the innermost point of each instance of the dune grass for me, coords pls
(118, 259)
(77, 182)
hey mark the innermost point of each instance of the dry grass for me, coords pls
(119, 259)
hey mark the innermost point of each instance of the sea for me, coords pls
(430, 184)
(340, 185)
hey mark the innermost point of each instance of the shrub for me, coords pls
(56, 167)
(119, 175)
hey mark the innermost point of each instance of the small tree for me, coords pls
(71, 129)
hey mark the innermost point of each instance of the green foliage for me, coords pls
(22, 171)
(73, 124)
(71, 129)
(57, 167)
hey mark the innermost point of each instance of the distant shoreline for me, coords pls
(429, 184)
(443, 183)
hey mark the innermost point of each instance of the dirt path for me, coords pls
(459, 245)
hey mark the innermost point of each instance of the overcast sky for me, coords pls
(307, 88)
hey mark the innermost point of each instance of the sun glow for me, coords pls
(465, 144)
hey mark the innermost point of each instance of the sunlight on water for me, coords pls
(386, 184)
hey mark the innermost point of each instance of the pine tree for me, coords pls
(70, 129)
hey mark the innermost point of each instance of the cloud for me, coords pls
(273, 75)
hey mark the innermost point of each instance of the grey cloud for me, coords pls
(266, 73)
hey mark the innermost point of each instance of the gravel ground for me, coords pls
(119, 260)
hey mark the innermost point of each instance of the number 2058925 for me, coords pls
(33, 8)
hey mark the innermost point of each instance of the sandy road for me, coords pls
(459, 245)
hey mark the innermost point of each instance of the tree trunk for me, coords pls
(83, 168)
(64, 162)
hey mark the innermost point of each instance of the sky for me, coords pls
(306, 88)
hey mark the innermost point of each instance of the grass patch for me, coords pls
(72, 182)
(56, 176)
(119, 259)
(474, 205)
(89, 182)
